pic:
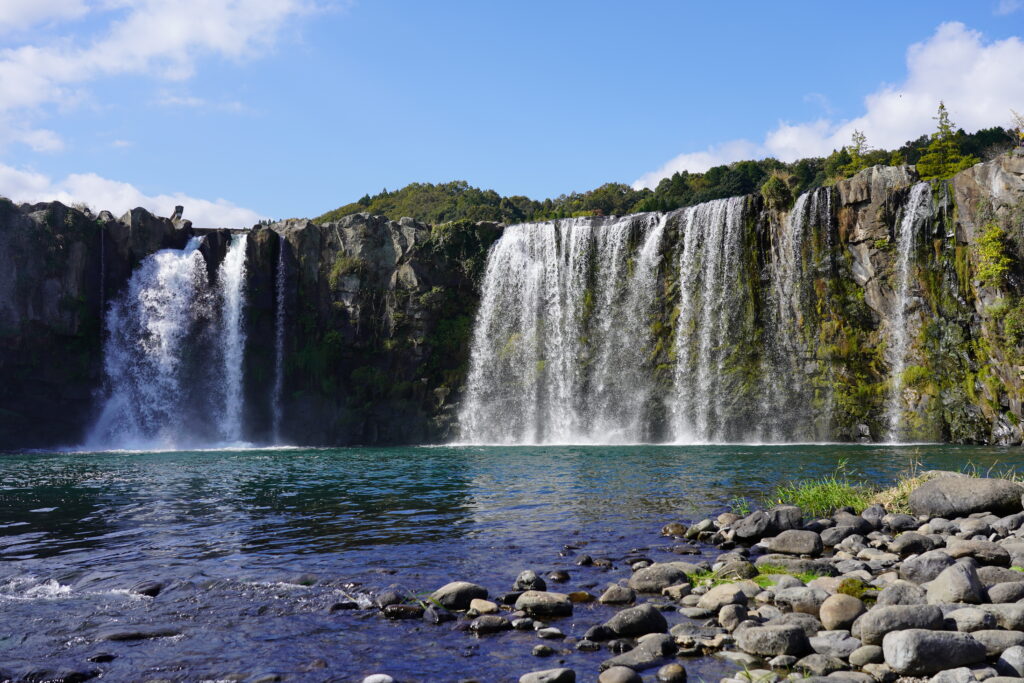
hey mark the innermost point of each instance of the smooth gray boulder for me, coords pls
(819, 665)
(753, 527)
(619, 674)
(918, 652)
(784, 517)
(874, 624)
(951, 497)
(529, 580)
(617, 595)
(637, 621)
(1009, 616)
(721, 595)
(773, 640)
(985, 552)
(549, 676)
(969, 619)
(990, 576)
(834, 643)
(867, 654)
(902, 592)
(911, 543)
(544, 604)
(998, 641)
(661, 575)
(1011, 662)
(647, 654)
(839, 611)
(1006, 592)
(794, 542)
(801, 599)
(808, 623)
(457, 595)
(957, 583)
(925, 566)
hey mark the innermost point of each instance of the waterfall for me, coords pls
(148, 328)
(708, 279)
(563, 333)
(917, 207)
(279, 320)
(174, 351)
(786, 389)
(231, 290)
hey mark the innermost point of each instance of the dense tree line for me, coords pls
(941, 154)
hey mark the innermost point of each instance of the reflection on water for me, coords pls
(224, 529)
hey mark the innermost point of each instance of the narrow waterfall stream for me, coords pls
(276, 410)
(231, 290)
(918, 206)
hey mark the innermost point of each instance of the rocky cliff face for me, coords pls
(377, 320)
(379, 314)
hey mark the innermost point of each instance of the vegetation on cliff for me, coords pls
(940, 155)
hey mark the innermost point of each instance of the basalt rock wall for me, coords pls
(379, 315)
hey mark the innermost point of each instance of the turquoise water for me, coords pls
(253, 546)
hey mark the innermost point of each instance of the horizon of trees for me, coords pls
(940, 154)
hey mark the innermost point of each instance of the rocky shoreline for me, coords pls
(937, 594)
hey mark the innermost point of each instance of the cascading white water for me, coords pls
(918, 206)
(148, 327)
(786, 389)
(165, 333)
(712, 234)
(279, 321)
(231, 291)
(563, 332)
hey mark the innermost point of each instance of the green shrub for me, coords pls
(1013, 325)
(345, 265)
(993, 259)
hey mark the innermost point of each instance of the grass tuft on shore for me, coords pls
(821, 497)
(766, 570)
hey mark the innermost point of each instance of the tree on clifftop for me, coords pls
(942, 157)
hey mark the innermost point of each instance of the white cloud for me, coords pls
(979, 82)
(159, 38)
(1008, 6)
(118, 197)
(19, 15)
(120, 144)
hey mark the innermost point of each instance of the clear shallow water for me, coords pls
(237, 535)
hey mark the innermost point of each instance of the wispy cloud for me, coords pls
(121, 144)
(1007, 7)
(118, 197)
(168, 99)
(978, 81)
(163, 39)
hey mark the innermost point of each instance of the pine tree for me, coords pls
(942, 157)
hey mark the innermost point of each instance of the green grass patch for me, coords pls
(853, 587)
(768, 569)
(821, 497)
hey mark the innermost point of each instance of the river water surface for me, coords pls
(253, 546)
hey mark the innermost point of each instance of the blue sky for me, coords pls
(275, 108)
